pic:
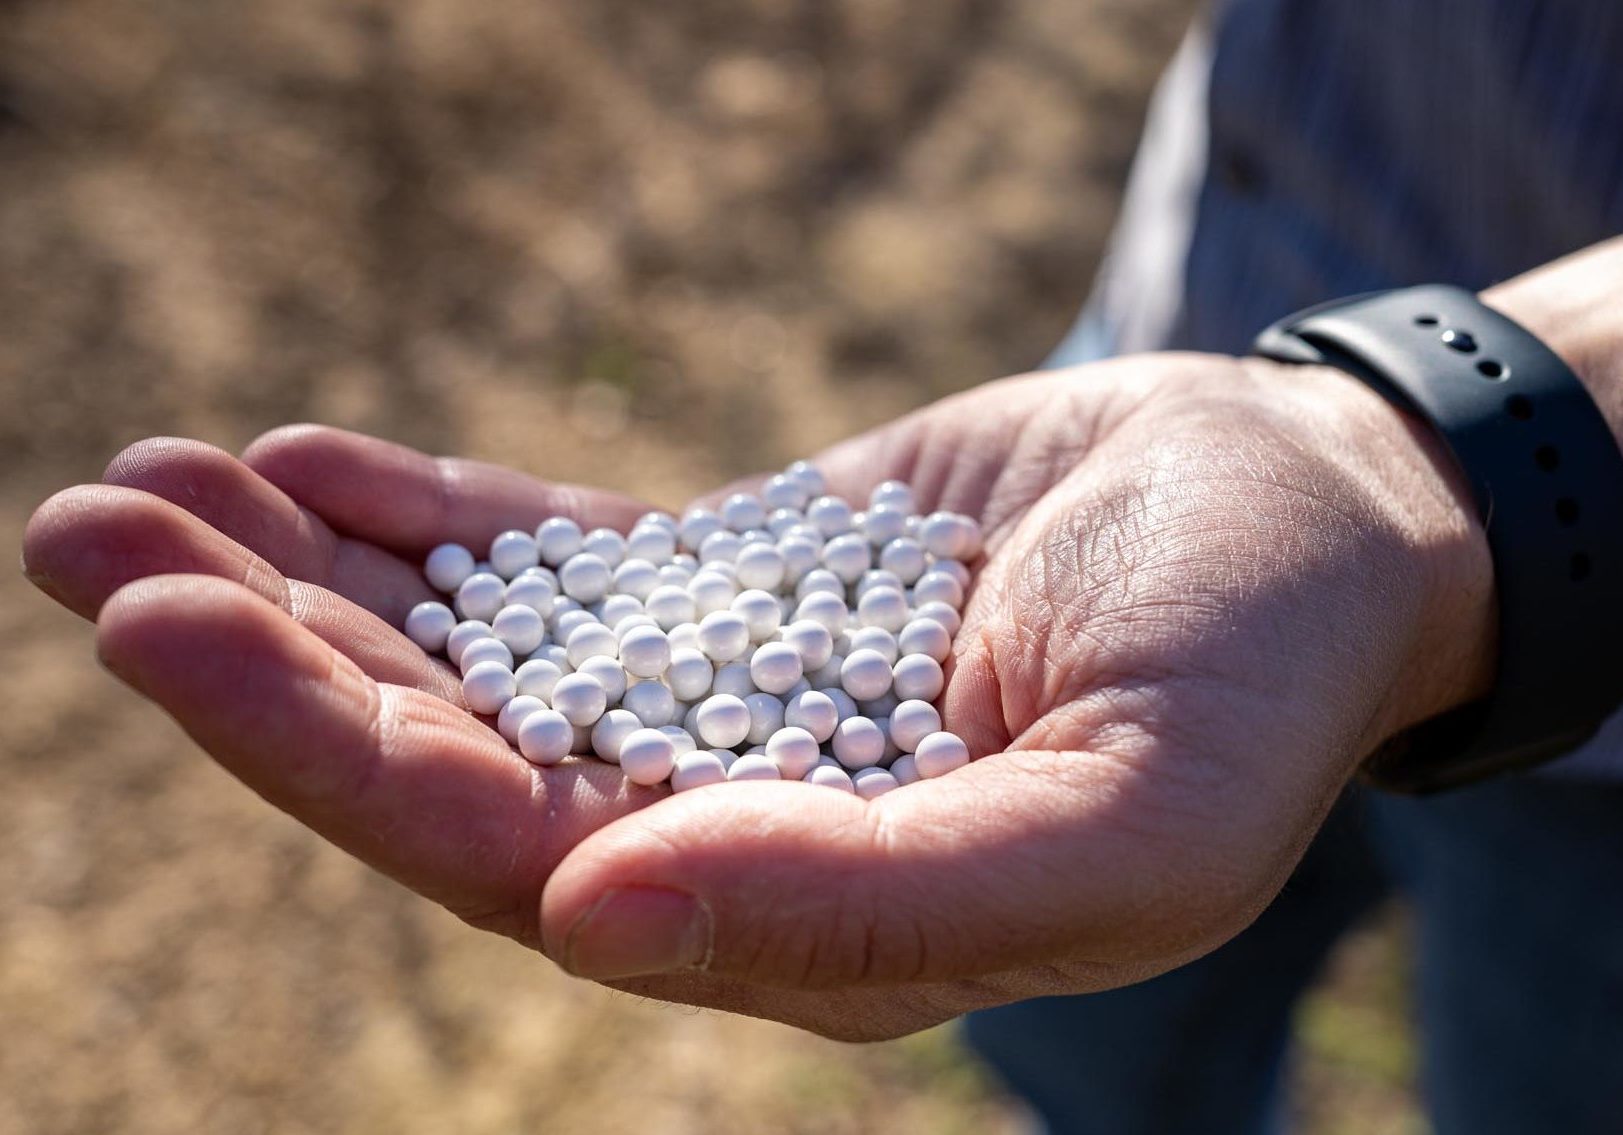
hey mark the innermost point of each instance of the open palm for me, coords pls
(1209, 588)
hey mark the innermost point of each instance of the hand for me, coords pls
(1210, 588)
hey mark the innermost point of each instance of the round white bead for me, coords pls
(647, 757)
(586, 577)
(645, 652)
(675, 575)
(429, 625)
(558, 539)
(848, 557)
(812, 641)
(723, 721)
(512, 552)
(941, 613)
(609, 674)
(742, 511)
(520, 627)
(884, 607)
(671, 606)
(830, 776)
(799, 557)
(941, 535)
(512, 715)
(938, 586)
(872, 783)
(481, 595)
(610, 731)
(616, 609)
(580, 698)
(723, 636)
(556, 655)
(766, 717)
(760, 611)
(926, 637)
(697, 525)
(844, 704)
(733, 679)
(808, 476)
(658, 518)
(918, 677)
(681, 738)
(813, 712)
(858, 743)
(635, 578)
(754, 768)
(463, 635)
(830, 515)
(567, 623)
(538, 592)
(883, 523)
(537, 677)
(825, 608)
(448, 566)
(895, 494)
(711, 592)
(607, 544)
(783, 491)
(880, 706)
(651, 543)
(911, 722)
(828, 674)
(940, 753)
(652, 702)
(760, 566)
(775, 667)
(794, 751)
(488, 686)
(879, 577)
(865, 675)
(697, 770)
(874, 638)
(591, 640)
(690, 674)
(486, 650)
(905, 557)
(905, 769)
(545, 737)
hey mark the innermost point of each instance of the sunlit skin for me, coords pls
(1210, 588)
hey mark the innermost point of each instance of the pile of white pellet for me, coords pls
(787, 636)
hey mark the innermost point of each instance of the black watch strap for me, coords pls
(1547, 476)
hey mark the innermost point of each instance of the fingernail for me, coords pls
(38, 578)
(634, 931)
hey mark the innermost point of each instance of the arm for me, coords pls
(1212, 586)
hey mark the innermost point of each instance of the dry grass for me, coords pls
(586, 239)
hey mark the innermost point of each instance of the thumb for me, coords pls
(1020, 859)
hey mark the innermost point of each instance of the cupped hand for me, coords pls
(1210, 587)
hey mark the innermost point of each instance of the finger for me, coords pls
(404, 781)
(89, 541)
(224, 493)
(1017, 860)
(408, 502)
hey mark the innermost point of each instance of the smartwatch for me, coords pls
(1546, 476)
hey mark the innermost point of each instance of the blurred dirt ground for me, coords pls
(646, 245)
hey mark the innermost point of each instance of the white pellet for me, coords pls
(512, 715)
(723, 636)
(911, 722)
(610, 732)
(927, 637)
(872, 783)
(512, 552)
(878, 577)
(481, 596)
(607, 544)
(942, 535)
(448, 566)
(733, 679)
(690, 674)
(652, 702)
(830, 776)
(784, 491)
(896, 494)
(609, 674)
(651, 543)
(558, 539)
(537, 677)
(812, 641)
(580, 698)
(658, 518)
(858, 743)
(876, 639)
(775, 667)
(830, 515)
(586, 577)
(760, 566)
(616, 609)
(886, 608)
(880, 706)
(723, 721)
(938, 586)
(671, 606)
(535, 591)
(743, 511)
(823, 607)
(828, 674)
(697, 770)
(813, 712)
(486, 650)
(711, 592)
(488, 686)
(799, 556)
(697, 525)
(844, 704)
(918, 677)
(721, 546)
(635, 578)
(766, 717)
(883, 523)
(761, 612)
(808, 476)
(647, 757)
(905, 769)
(556, 655)
(520, 627)
(681, 738)
(905, 557)
(591, 640)
(941, 613)
(545, 737)
(848, 557)
(940, 753)
(865, 675)
(754, 768)
(429, 625)
(645, 652)
(566, 623)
